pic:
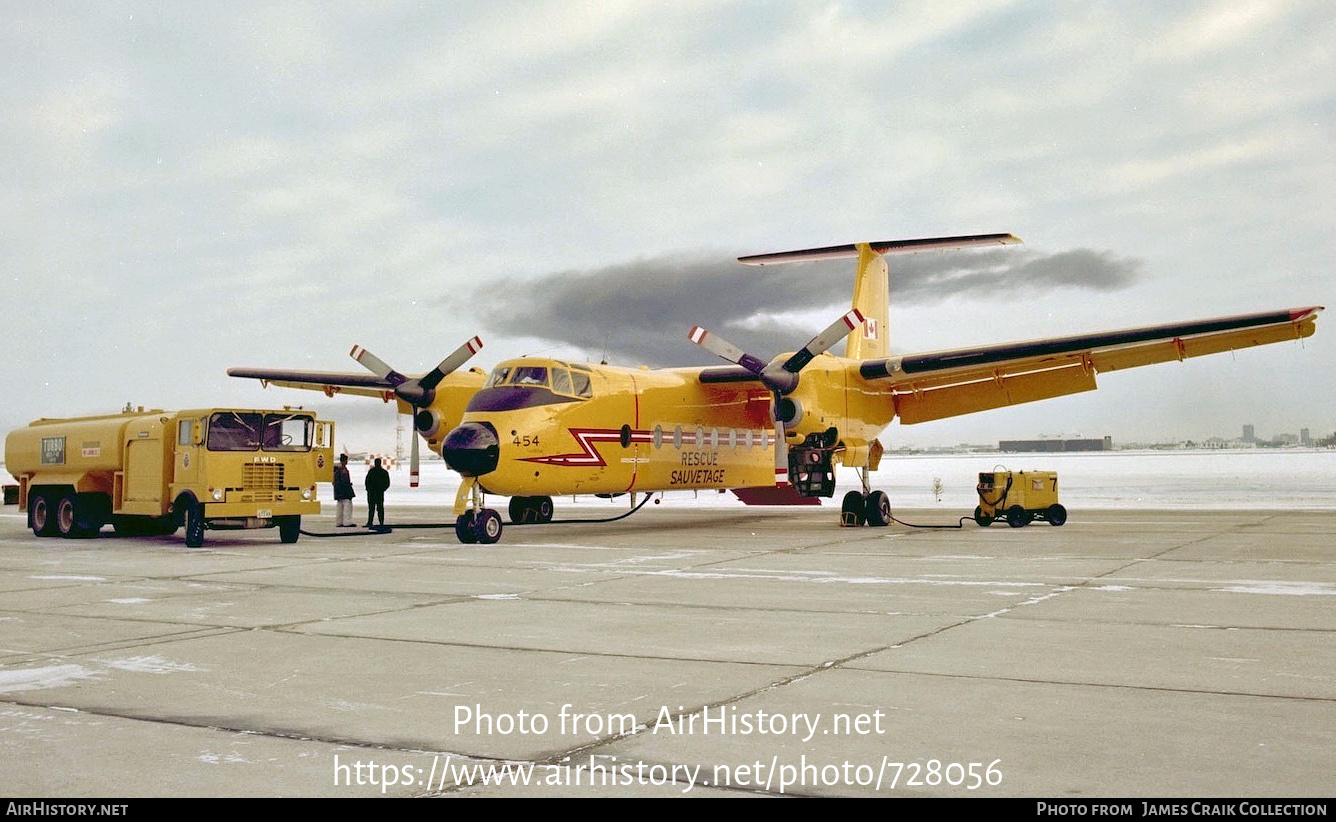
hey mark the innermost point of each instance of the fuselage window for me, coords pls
(677, 437)
(657, 439)
(582, 387)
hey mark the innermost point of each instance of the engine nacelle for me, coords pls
(789, 412)
(427, 422)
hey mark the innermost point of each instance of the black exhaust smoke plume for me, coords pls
(640, 311)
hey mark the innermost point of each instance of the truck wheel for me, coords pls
(40, 516)
(69, 518)
(1017, 517)
(194, 518)
(878, 509)
(289, 528)
(65, 517)
(980, 517)
(1056, 514)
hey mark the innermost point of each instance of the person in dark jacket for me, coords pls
(377, 481)
(343, 493)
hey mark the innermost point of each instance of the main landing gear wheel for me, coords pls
(878, 509)
(873, 509)
(853, 510)
(530, 509)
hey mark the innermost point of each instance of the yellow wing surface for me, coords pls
(943, 384)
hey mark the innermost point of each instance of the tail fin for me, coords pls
(872, 299)
(871, 288)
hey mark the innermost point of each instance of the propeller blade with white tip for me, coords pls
(724, 349)
(456, 358)
(377, 366)
(413, 463)
(819, 344)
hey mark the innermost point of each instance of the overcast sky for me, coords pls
(192, 186)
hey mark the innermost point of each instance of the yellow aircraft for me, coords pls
(772, 432)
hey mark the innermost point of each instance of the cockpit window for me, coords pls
(499, 376)
(529, 375)
(561, 381)
(582, 387)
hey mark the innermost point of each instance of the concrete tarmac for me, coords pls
(680, 652)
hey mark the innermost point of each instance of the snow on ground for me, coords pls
(1292, 479)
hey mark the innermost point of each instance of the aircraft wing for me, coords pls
(943, 384)
(330, 382)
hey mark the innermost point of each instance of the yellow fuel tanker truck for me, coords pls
(151, 472)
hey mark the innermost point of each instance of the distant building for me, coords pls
(1305, 438)
(1050, 446)
(1249, 434)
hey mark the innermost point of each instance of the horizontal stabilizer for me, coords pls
(884, 247)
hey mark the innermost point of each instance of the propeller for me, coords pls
(780, 378)
(417, 392)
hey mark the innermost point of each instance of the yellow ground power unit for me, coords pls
(1019, 497)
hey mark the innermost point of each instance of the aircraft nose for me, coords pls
(472, 449)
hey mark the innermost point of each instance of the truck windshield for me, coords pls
(254, 431)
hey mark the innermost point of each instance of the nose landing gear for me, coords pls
(476, 524)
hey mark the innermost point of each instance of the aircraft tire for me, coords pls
(853, 510)
(519, 507)
(878, 509)
(1017, 517)
(1056, 515)
(464, 528)
(980, 517)
(543, 507)
(487, 526)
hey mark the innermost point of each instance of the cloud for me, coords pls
(641, 310)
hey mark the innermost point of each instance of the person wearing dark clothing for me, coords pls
(377, 481)
(343, 493)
